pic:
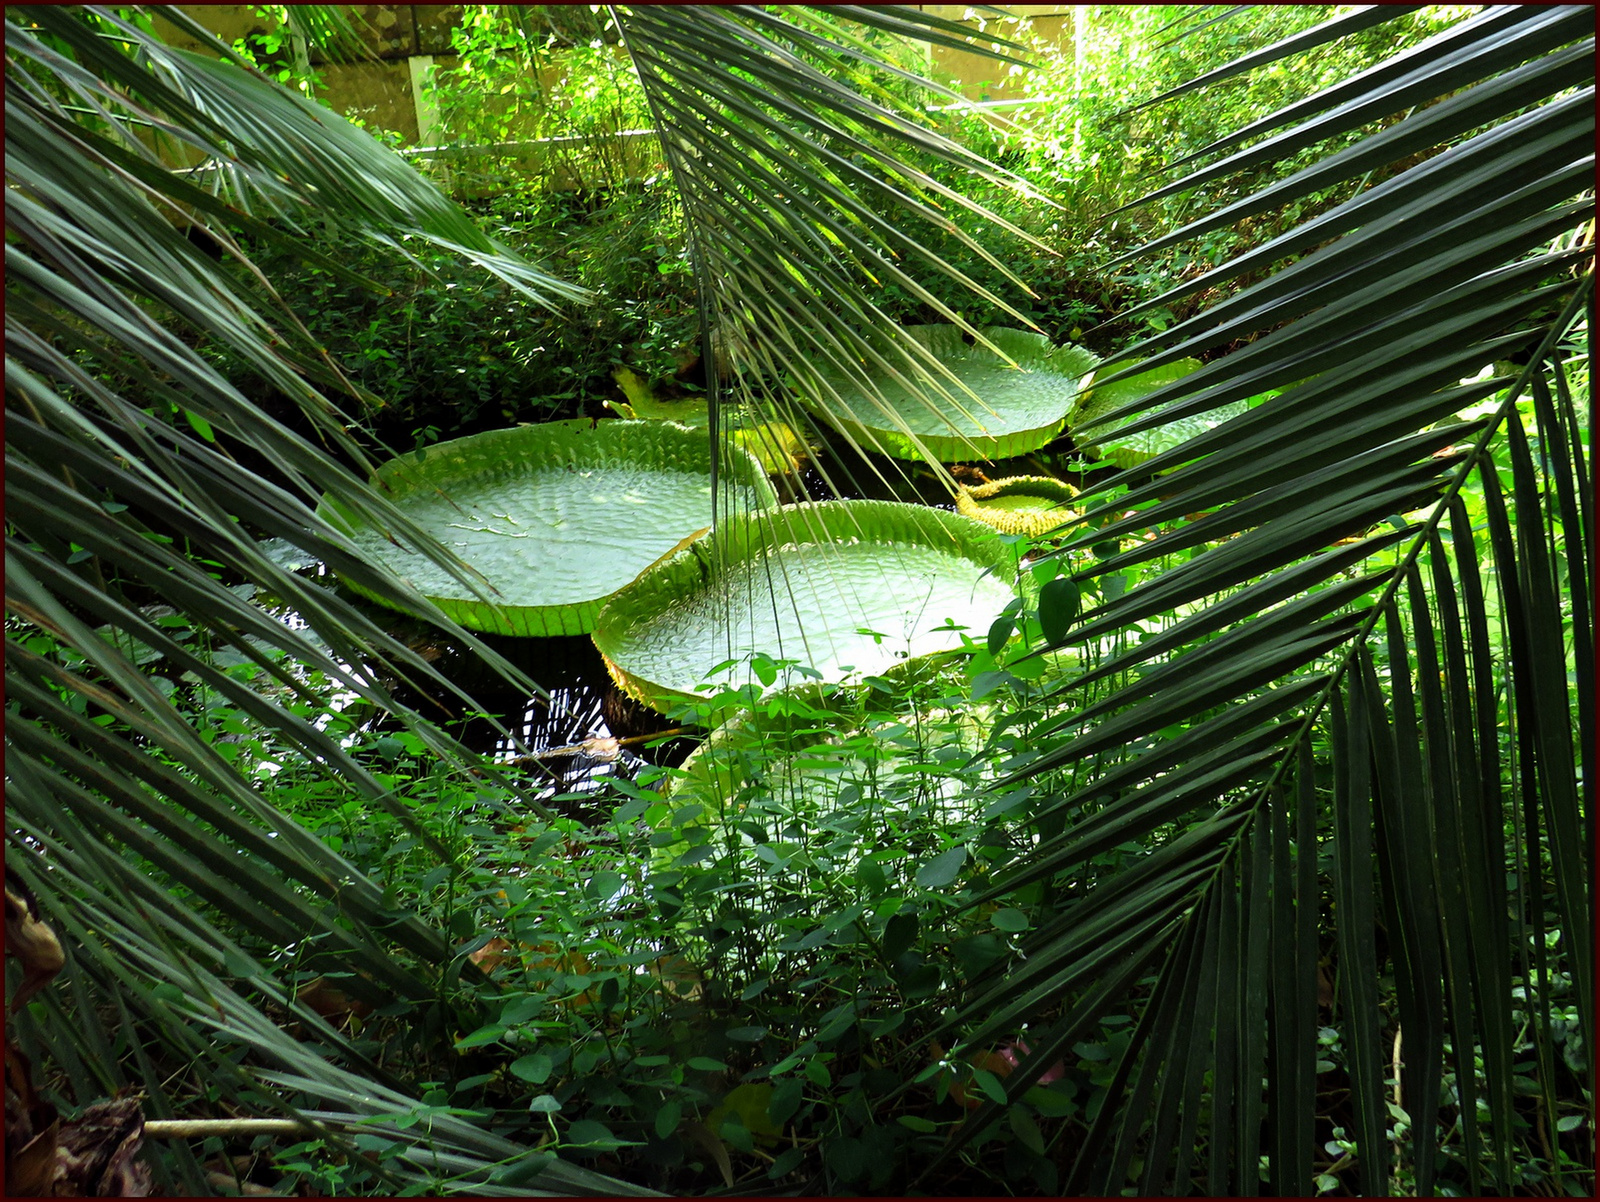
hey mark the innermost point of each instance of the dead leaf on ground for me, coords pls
(329, 1001)
(30, 1133)
(95, 1155)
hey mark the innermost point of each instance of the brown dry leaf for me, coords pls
(19, 1089)
(30, 1133)
(492, 955)
(92, 1156)
(1324, 987)
(702, 1135)
(330, 1002)
(97, 1153)
(498, 953)
(749, 1102)
(31, 1169)
(680, 978)
(31, 942)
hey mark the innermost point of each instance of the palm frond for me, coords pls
(143, 492)
(803, 195)
(170, 967)
(1334, 614)
(1363, 17)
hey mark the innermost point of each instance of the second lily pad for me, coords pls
(1128, 450)
(1028, 505)
(775, 445)
(1018, 409)
(837, 590)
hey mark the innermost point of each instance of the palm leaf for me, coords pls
(136, 472)
(803, 196)
(1379, 647)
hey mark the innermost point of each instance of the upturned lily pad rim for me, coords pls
(785, 734)
(775, 444)
(1057, 494)
(741, 537)
(1047, 488)
(580, 443)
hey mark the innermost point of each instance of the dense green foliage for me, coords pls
(436, 328)
(1247, 849)
(599, 212)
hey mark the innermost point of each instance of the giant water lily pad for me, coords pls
(1027, 505)
(556, 516)
(1018, 409)
(812, 762)
(845, 588)
(1128, 450)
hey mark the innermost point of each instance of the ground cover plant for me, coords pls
(1246, 848)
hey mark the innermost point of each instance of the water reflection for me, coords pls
(585, 731)
(588, 728)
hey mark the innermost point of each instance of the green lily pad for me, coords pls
(556, 516)
(845, 588)
(1028, 505)
(777, 448)
(768, 742)
(1018, 409)
(643, 404)
(807, 760)
(1131, 449)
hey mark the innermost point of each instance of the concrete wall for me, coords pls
(406, 39)
(981, 78)
(382, 91)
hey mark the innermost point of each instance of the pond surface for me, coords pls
(586, 727)
(583, 730)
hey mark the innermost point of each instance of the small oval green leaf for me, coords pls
(786, 1099)
(1059, 603)
(899, 933)
(534, 1068)
(999, 632)
(480, 1037)
(1027, 1130)
(1010, 919)
(990, 1084)
(942, 869)
(587, 1133)
(668, 1118)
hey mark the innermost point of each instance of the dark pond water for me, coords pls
(583, 729)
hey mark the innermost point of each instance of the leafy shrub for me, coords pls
(444, 350)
